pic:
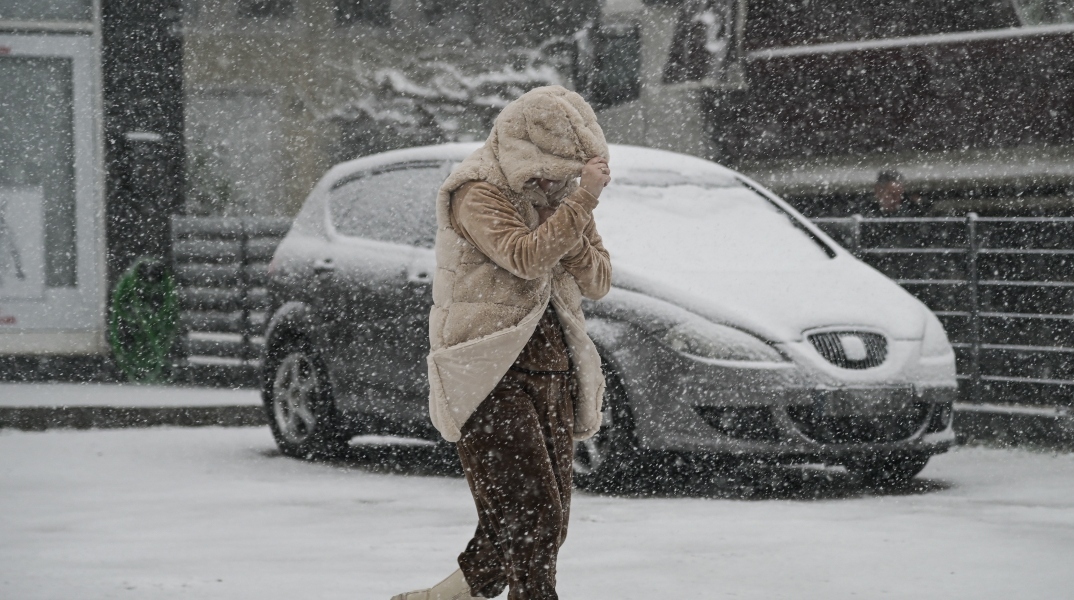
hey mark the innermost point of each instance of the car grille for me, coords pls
(830, 345)
(859, 429)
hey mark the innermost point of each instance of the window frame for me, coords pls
(69, 319)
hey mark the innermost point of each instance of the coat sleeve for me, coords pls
(486, 218)
(591, 266)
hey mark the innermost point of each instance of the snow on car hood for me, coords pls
(780, 305)
(711, 245)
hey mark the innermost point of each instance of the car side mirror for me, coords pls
(607, 63)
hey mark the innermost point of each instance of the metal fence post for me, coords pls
(244, 287)
(180, 351)
(856, 235)
(973, 280)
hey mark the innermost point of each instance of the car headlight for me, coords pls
(719, 342)
(934, 342)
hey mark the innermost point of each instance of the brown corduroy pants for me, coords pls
(516, 452)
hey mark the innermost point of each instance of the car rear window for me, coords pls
(397, 204)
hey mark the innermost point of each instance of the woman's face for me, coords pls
(549, 185)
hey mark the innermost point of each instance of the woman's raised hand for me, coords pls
(595, 175)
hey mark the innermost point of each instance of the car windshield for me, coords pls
(656, 220)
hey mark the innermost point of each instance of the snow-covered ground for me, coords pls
(217, 513)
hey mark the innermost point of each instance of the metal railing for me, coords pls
(1002, 286)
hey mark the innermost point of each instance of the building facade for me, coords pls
(279, 90)
(90, 161)
(968, 101)
(118, 114)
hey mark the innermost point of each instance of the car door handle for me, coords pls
(324, 266)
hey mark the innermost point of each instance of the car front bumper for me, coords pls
(783, 411)
(794, 423)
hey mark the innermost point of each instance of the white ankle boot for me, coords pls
(452, 588)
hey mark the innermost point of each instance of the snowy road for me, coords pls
(216, 513)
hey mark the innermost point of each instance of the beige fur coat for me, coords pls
(486, 306)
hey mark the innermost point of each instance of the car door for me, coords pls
(383, 223)
(413, 332)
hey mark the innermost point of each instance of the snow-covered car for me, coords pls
(734, 326)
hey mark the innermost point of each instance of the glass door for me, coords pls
(51, 242)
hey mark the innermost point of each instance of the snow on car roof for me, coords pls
(623, 157)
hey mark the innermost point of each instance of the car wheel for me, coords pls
(877, 471)
(607, 460)
(298, 400)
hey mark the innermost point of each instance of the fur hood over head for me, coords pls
(547, 133)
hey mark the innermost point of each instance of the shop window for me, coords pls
(369, 12)
(38, 246)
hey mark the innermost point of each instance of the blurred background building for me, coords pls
(279, 90)
(967, 100)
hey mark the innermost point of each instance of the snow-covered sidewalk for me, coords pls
(217, 513)
(39, 406)
(46, 395)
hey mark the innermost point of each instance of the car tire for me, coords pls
(878, 471)
(298, 402)
(608, 460)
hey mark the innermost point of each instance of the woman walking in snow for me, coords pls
(514, 378)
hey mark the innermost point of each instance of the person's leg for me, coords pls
(483, 560)
(505, 454)
(557, 403)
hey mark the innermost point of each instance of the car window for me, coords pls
(395, 205)
(656, 219)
